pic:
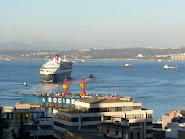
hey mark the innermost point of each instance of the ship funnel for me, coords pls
(56, 57)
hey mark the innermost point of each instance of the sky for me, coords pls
(95, 23)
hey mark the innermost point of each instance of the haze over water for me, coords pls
(164, 93)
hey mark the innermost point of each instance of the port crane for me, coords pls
(65, 86)
(82, 85)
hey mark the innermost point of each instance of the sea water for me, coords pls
(158, 89)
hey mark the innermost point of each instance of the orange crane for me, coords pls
(65, 86)
(82, 85)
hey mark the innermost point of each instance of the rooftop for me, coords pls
(96, 101)
(68, 110)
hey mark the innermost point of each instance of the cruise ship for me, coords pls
(56, 69)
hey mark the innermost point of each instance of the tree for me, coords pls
(22, 134)
(3, 125)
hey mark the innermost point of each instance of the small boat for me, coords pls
(161, 60)
(167, 67)
(81, 61)
(57, 85)
(91, 76)
(169, 61)
(7, 59)
(128, 65)
(25, 83)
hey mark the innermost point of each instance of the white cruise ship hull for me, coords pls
(56, 76)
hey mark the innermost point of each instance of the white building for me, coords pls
(173, 130)
(140, 55)
(88, 113)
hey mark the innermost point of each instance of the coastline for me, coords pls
(28, 59)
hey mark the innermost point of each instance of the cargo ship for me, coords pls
(59, 100)
(56, 69)
(66, 99)
(167, 67)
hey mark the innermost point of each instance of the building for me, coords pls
(89, 113)
(24, 112)
(41, 128)
(168, 118)
(177, 56)
(175, 130)
(158, 133)
(80, 134)
(120, 130)
(174, 124)
(139, 55)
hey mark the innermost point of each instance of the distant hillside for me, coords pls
(123, 53)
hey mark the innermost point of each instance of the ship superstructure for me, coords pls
(56, 69)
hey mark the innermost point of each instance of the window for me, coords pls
(138, 135)
(149, 115)
(116, 133)
(103, 109)
(59, 124)
(118, 108)
(94, 110)
(135, 116)
(107, 130)
(107, 117)
(84, 127)
(74, 119)
(148, 131)
(89, 127)
(134, 124)
(148, 123)
(86, 119)
(127, 108)
(136, 107)
(95, 118)
(131, 135)
(129, 116)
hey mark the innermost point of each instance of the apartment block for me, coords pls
(89, 113)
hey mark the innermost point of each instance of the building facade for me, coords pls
(88, 113)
